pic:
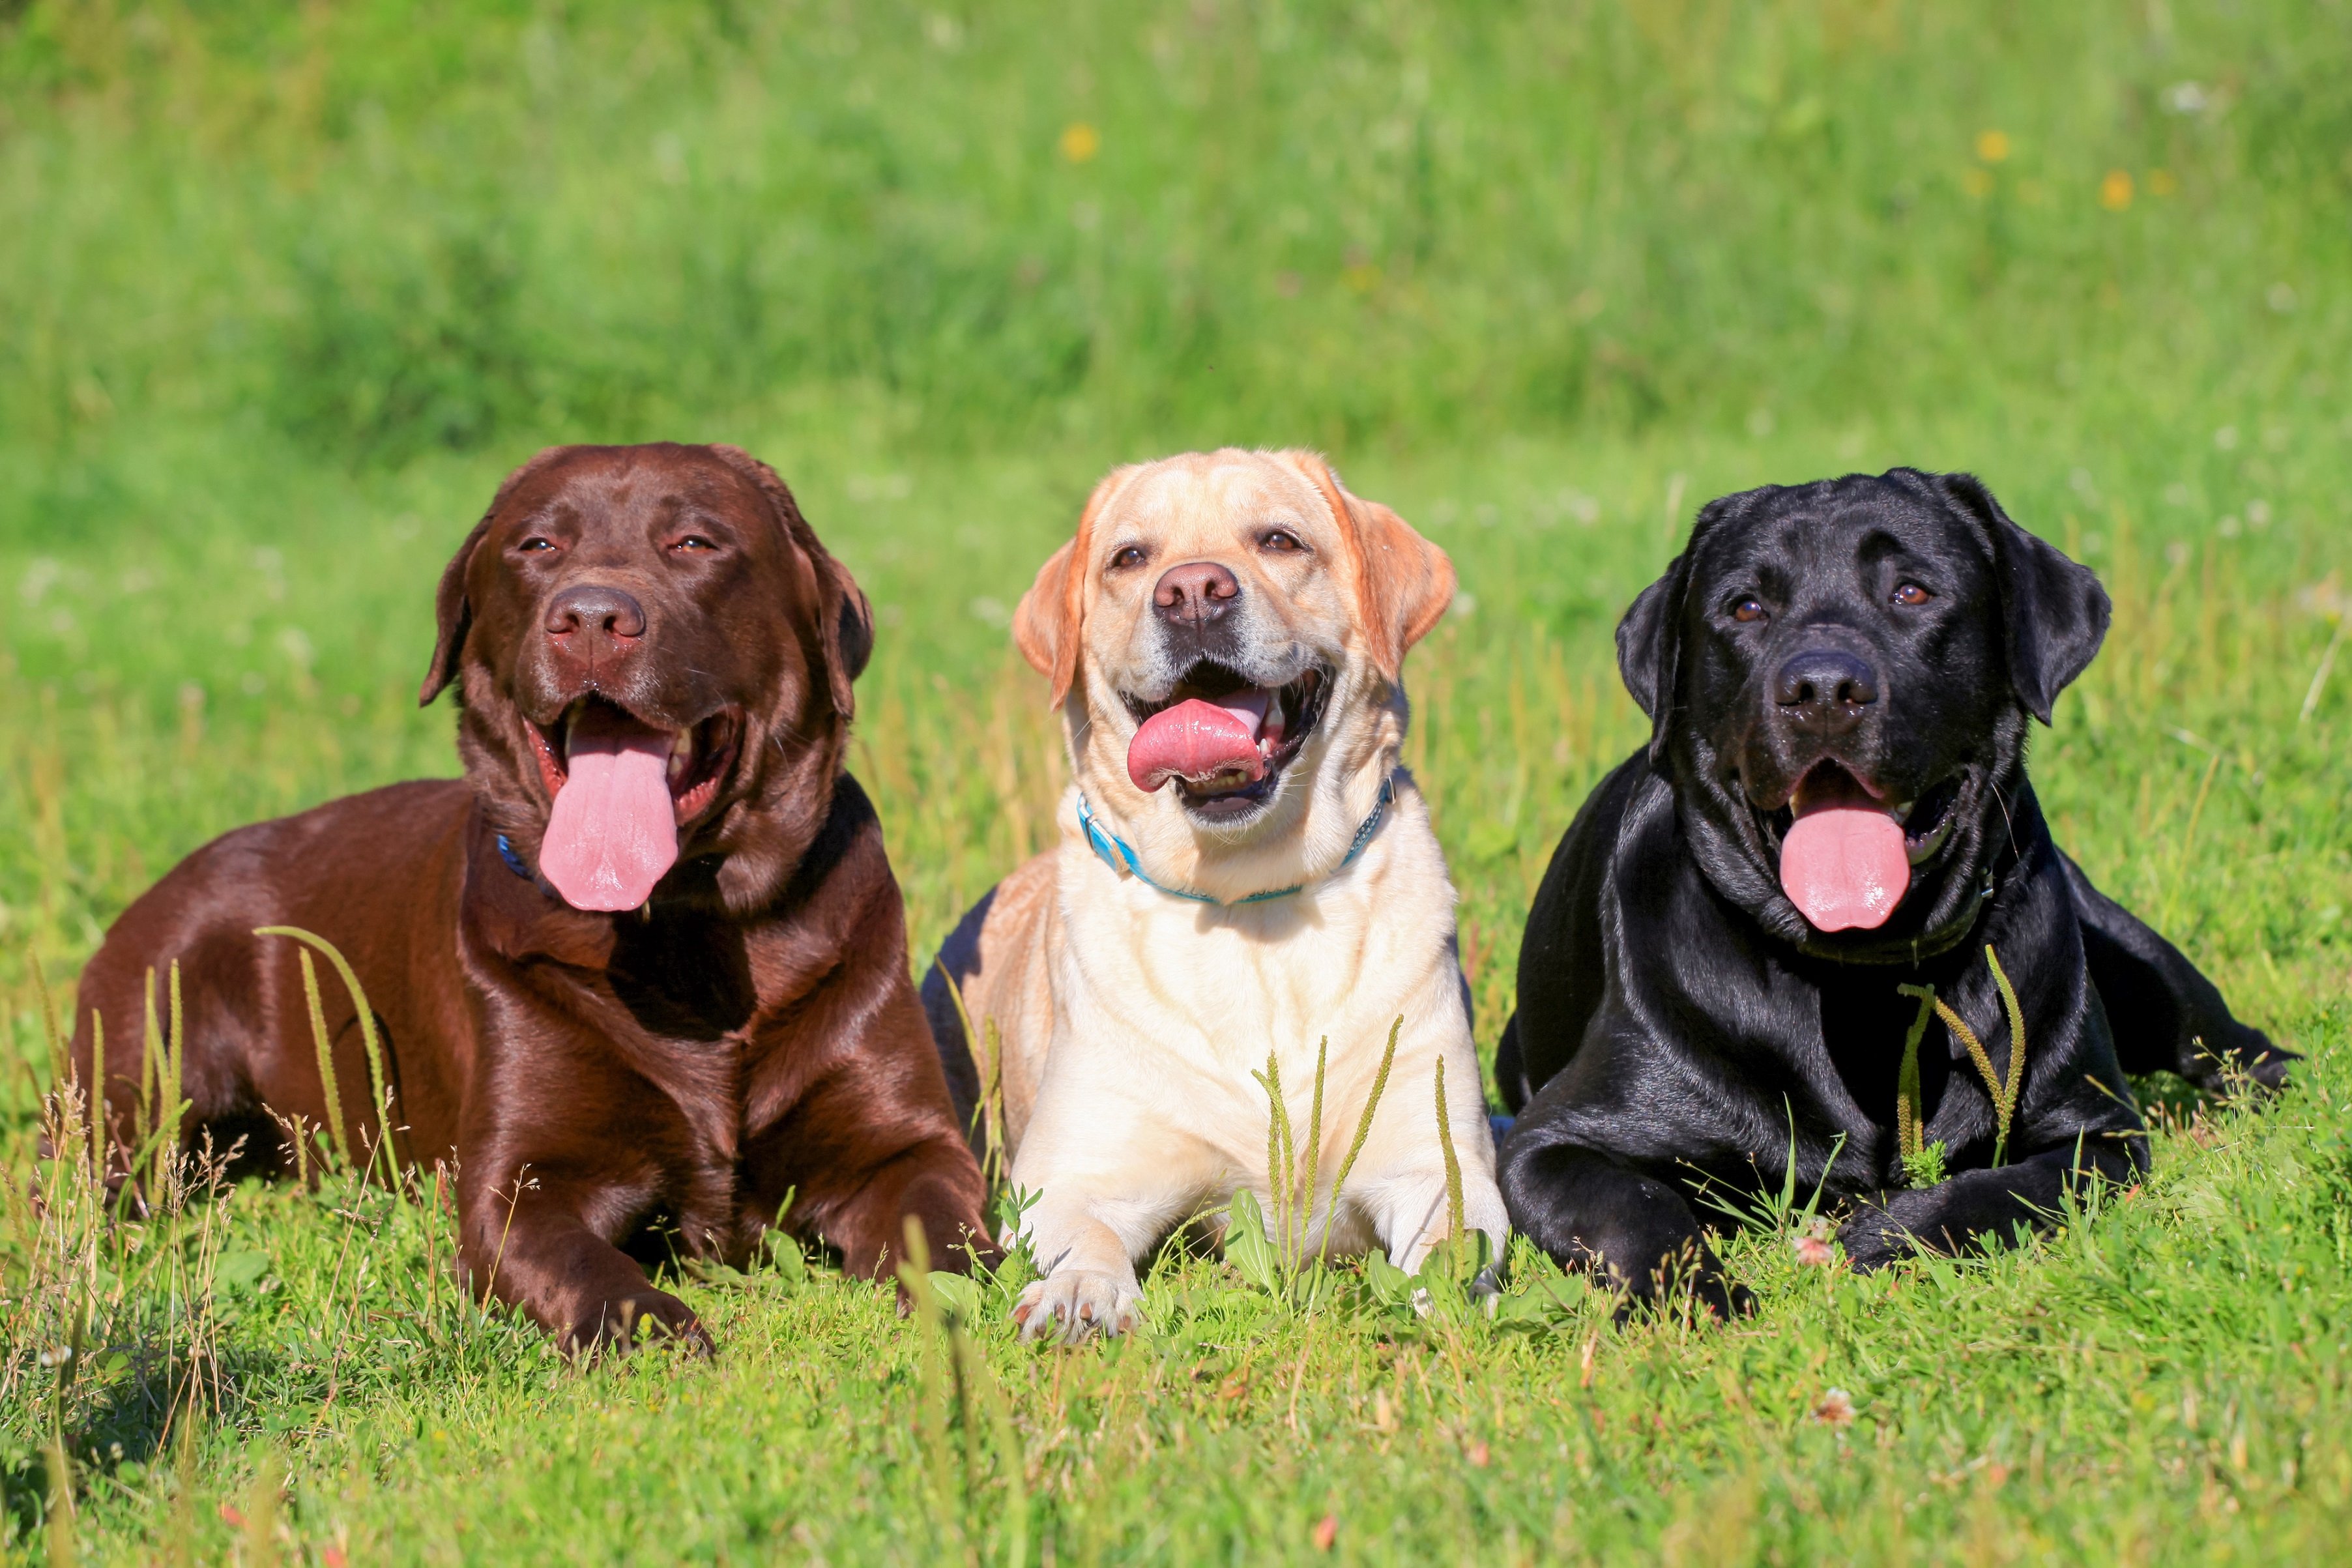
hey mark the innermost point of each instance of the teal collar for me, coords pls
(1116, 852)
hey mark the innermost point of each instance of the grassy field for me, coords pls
(287, 289)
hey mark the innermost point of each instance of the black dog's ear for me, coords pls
(2054, 611)
(453, 612)
(1650, 638)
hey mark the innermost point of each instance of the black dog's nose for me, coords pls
(592, 606)
(1825, 688)
(1195, 594)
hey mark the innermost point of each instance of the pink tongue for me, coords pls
(1197, 740)
(612, 831)
(1843, 866)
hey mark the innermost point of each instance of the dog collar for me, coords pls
(514, 861)
(1116, 852)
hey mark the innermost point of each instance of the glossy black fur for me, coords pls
(1680, 1023)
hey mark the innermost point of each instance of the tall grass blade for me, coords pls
(370, 1042)
(326, 1046)
(1453, 1221)
(1363, 1129)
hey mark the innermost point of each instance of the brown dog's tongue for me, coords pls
(613, 832)
(1842, 863)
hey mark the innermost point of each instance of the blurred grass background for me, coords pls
(285, 289)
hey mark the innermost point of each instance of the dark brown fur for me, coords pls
(752, 1033)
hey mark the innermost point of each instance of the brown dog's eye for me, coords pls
(1128, 558)
(694, 541)
(1749, 610)
(535, 544)
(1912, 595)
(1279, 542)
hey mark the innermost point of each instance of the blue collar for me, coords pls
(1117, 854)
(514, 861)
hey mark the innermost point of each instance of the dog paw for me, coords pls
(644, 1321)
(1873, 1238)
(1072, 1304)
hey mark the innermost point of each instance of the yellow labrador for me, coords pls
(1244, 868)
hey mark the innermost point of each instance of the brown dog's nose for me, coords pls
(1825, 689)
(1195, 594)
(592, 606)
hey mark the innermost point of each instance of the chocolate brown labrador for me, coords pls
(642, 973)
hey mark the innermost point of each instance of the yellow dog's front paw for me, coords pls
(1070, 1304)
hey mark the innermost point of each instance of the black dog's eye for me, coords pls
(1912, 595)
(1279, 542)
(1130, 557)
(1749, 610)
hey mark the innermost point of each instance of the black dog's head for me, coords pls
(1838, 677)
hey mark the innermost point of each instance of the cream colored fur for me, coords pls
(1131, 1020)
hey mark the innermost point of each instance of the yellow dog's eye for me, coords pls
(1911, 595)
(1279, 541)
(1749, 610)
(1130, 557)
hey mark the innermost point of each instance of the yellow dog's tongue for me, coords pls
(1198, 740)
(1841, 863)
(613, 832)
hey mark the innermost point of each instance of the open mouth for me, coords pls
(620, 789)
(694, 760)
(1846, 853)
(1222, 740)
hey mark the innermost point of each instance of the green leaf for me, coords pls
(1246, 1246)
(960, 1293)
(1393, 1285)
(790, 1263)
(237, 1271)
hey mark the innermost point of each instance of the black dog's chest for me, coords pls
(1865, 1020)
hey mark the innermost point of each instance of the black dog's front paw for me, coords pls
(1892, 1226)
(2246, 1057)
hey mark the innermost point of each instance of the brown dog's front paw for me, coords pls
(644, 1320)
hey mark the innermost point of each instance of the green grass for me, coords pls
(287, 291)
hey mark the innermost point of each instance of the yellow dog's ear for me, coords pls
(1046, 622)
(1403, 582)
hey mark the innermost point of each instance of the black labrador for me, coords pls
(1731, 947)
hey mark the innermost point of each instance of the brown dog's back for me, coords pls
(379, 876)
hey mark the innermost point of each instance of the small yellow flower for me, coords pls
(1080, 141)
(2161, 183)
(2116, 190)
(1993, 146)
(1977, 181)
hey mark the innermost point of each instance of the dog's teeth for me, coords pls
(681, 754)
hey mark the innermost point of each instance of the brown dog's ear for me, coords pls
(1403, 583)
(2054, 611)
(849, 631)
(845, 620)
(453, 612)
(1046, 622)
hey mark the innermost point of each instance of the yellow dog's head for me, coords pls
(1225, 638)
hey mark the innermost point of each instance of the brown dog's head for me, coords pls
(654, 657)
(1225, 638)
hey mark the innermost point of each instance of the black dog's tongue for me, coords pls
(1842, 863)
